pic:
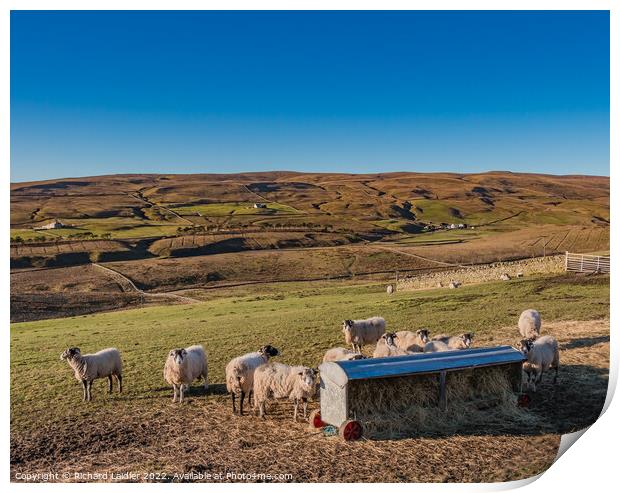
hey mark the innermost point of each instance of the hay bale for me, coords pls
(505, 277)
(478, 399)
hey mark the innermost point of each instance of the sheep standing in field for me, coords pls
(542, 354)
(89, 367)
(389, 347)
(462, 341)
(436, 347)
(361, 332)
(529, 324)
(182, 367)
(240, 374)
(410, 341)
(280, 381)
(341, 354)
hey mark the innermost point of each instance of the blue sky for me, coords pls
(184, 92)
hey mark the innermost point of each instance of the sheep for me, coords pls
(462, 341)
(410, 341)
(240, 373)
(182, 367)
(340, 354)
(389, 347)
(542, 354)
(361, 332)
(279, 381)
(529, 324)
(89, 367)
(436, 347)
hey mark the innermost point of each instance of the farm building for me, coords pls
(55, 224)
(260, 205)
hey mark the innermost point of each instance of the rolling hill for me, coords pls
(125, 206)
(197, 232)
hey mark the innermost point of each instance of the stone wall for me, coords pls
(483, 273)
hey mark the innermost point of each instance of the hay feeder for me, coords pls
(361, 393)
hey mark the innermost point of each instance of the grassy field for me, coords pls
(114, 226)
(443, 236)
(236, 208)
(140, 429)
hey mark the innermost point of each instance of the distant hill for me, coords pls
(198, 232)
(154, 205)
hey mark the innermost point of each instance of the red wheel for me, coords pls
(524, 400)
(315, 419)
(351, 430)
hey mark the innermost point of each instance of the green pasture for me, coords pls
(303, 321)
(116, 227)
(233, 208)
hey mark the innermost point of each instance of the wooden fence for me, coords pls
(577, 262)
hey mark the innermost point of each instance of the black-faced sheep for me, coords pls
(183, 366)
(340, 354)
(529, 324)
(462, 341)
(89, 367)
(410, 341)
(361, 332)
(240, 374)
(542, 354)
(388, 347)
(280, 381)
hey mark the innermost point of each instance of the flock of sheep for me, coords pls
(253, 375)
(359, 333)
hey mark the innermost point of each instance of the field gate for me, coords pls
(577, 262)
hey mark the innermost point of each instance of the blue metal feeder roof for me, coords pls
(341, 372)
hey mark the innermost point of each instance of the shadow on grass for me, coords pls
(194, 391)
(572, 404)
(584, 342)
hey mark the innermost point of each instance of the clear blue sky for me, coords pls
(131, 92)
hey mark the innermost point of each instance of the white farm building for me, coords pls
(55, 224)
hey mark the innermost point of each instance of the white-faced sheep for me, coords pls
(89, 367)
(240, 373)
(462, 341)
(388, 347)
(183, 366)
(529, 324)
(542, 354)
(340, 354)
(361, 332)
(436, 347)
(280, 381)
